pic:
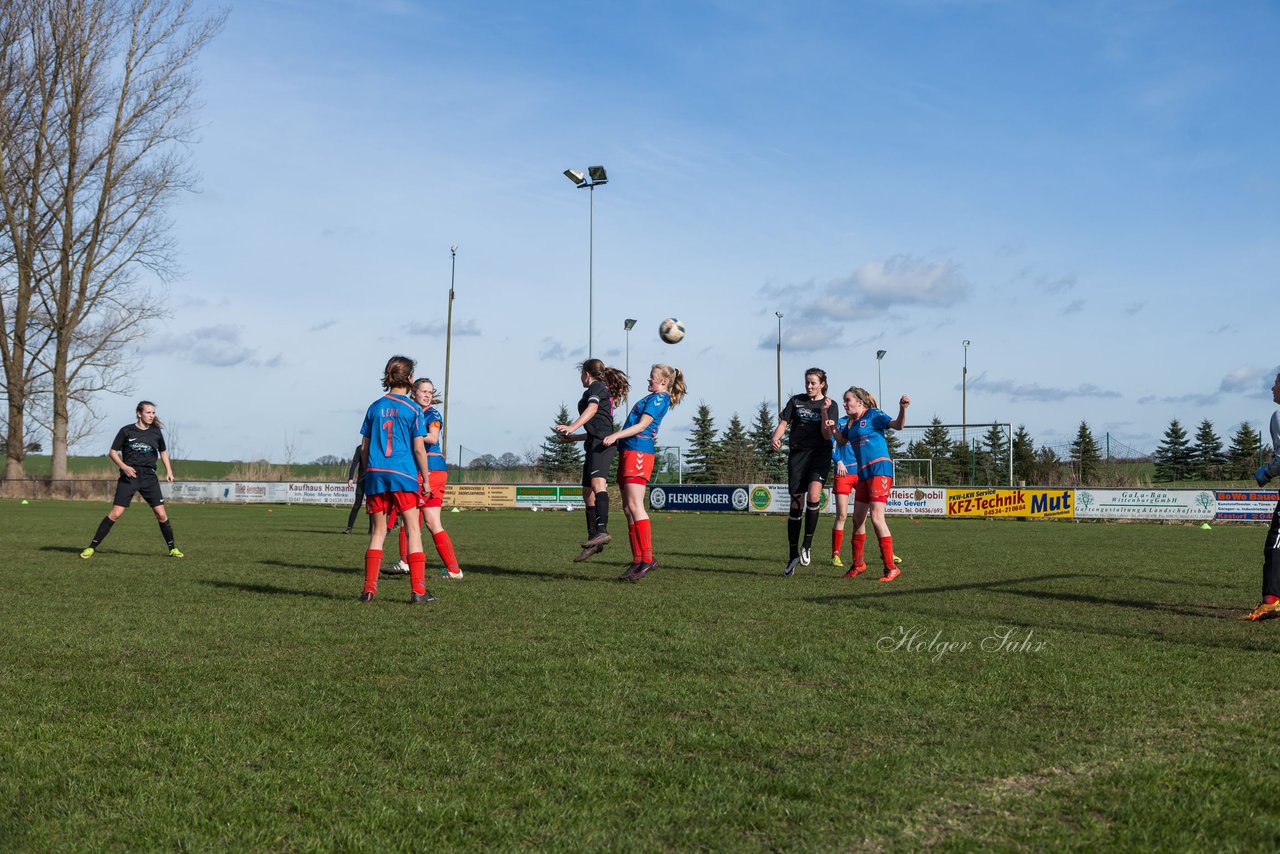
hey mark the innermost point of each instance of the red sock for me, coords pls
(886, 551)
(418, 572)
(837, 540)
(404, 543)
(635, 542)
(859, 546)
(1270, 599)
(444, 548)
(372, 566)
(645, 536)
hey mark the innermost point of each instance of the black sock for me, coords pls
(166, 530)
(810, 525)
(591, 521)
(793, 535)
(103, 529)
(602, 511)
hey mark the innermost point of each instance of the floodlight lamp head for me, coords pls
(779, 314)
(628, 323)
(575, 176)
(880, 354)
(597, 175)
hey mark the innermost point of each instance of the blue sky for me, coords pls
(1088, 192)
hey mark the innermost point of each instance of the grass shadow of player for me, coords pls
(606, 571)
(284, 564)
(272, 590)
(71, 550)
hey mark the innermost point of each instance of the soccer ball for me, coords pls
(671, 330)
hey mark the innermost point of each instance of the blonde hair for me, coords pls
(868, 399)
(675, 382)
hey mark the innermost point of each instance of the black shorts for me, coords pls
(145, 484)
(804, 466)
(597, 459)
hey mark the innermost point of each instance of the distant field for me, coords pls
(1034, 686)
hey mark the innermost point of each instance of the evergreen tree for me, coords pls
(1085, 454)
(935, 444)
(1047, 469)
(770, 464)
(701, 461)
(1174, 455)
(1207, 456)
(1024, 455)
(1243, 456)
(736, 461)
(561, 461)
(995, 449)
(894, 444)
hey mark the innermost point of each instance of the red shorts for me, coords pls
(392, 504)
(845, 483)
(873, 489)
(635, 467)
(436, 481)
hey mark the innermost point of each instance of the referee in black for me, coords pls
(135, 450)
(355, 477)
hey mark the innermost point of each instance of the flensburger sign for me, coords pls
(726, 498)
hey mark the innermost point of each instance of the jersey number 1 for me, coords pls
(386, 425)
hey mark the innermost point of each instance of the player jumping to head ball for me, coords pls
(865, 432)
(808, 460)
(1270, 604)
(394, 452)
(135, 450)
(636, 442)
(605, 388)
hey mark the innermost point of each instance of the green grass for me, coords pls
(242, 699)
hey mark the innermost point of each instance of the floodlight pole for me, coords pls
(448, 346)
(779, 361)
(964, 396)
(627, 324)
(879, 386)
(594, 175)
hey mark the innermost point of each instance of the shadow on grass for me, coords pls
(341, 570)
(71, 550)
(276, 591)
(606, 572)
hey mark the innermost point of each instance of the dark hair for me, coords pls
(615, 380)
(398, 373)
(159, 424)
(821, 375)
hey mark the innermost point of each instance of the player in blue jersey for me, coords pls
(394, 453)
(636, 441)
(846, 479)
(1270, 604)
(605, 388)
(808, 460)
(864, 431)
(437, 476)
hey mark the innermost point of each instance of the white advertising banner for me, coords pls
(773, 498)
(322, 493)
(917, 501)
(1183, 504)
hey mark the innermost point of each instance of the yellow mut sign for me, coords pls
(1040, 503)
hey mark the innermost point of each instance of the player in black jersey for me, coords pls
(808, 460)
(135, 450)
(605, 388)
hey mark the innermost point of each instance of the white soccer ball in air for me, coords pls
(671, 330)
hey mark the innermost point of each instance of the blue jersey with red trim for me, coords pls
(435, 454)
(843, 453)
(654, 405)
(866, 437)
(391, 424)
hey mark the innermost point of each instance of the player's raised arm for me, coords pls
(901, 421)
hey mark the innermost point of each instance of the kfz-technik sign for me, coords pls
(730, 498)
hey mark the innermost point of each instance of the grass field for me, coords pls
(242, 698)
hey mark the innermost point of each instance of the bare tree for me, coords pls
(27, 155)
(116, 95)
